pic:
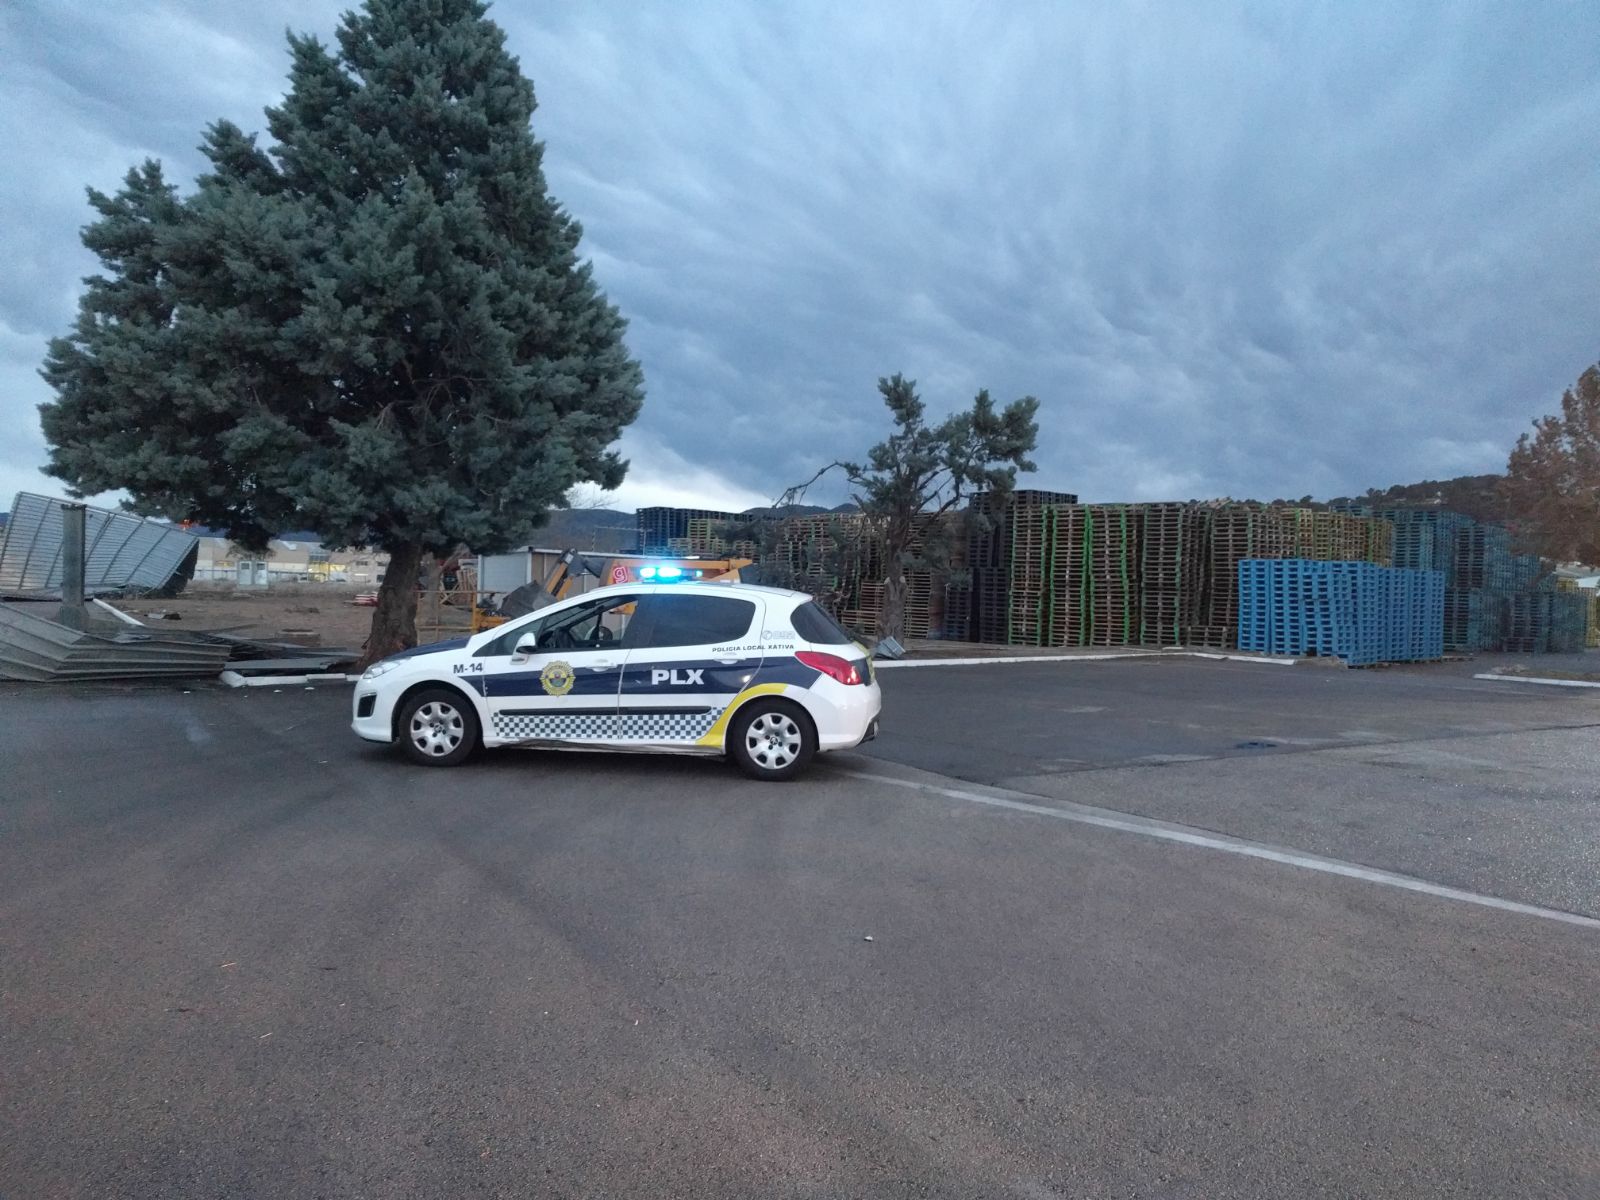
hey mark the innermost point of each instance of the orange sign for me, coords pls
(619, 574)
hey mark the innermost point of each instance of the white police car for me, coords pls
(762, 675)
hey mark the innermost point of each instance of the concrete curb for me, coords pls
(883, 664)
(234, 679)
(880, 664)
(1244, 658)
(1577, 683)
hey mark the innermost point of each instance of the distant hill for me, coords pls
(796, 510)
(288, 535)
(589, 529)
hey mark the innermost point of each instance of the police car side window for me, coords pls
(592, 626)
(813, 623)
(688, 619)
(506, 643)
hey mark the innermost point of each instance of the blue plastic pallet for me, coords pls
(1360, 612)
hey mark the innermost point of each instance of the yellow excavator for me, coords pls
(572, 567)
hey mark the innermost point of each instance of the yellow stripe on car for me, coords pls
(714, 736)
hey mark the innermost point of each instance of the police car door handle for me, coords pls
(729, 659)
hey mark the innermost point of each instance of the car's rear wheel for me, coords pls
(771, 739)
(438, 728)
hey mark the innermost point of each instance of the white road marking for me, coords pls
(1579, 683)
(1084, 814)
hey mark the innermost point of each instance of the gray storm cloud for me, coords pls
(1234, 248)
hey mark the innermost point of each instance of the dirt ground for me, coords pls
(309, 614)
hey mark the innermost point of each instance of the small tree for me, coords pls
(377, 327)
(1553, 478)
(913, 480)
(822, 563)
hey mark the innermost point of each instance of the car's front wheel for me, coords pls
(771, 739)
(438, 728)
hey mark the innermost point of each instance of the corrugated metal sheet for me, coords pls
(35, 648)
(121, 550)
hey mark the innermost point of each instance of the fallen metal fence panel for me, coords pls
(121, 550)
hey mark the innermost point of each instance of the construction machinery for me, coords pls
(573, 572)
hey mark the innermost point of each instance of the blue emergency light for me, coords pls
(667, 573)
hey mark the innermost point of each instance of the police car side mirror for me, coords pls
(527, 644)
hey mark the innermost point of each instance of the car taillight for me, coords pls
(831, 665)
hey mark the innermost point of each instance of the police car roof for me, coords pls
(764, 589)
(718, 585)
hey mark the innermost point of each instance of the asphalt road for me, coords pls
(243, 955)
(1483, 785)
(1048, 718)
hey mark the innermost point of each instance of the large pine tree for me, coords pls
(377, 327)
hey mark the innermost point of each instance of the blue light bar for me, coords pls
(664, 573)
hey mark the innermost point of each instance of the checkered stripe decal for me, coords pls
(587, 728)
(668, 727)
(644, 727)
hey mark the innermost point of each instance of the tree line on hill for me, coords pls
(1481, 497)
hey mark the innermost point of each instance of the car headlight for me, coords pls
(378, 668)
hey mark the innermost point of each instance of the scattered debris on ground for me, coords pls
(36, 647)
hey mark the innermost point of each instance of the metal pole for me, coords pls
(72, 544)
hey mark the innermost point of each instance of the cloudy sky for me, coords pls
(1250, 249)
